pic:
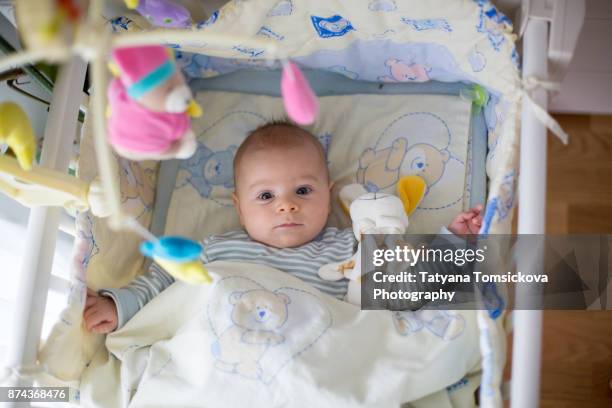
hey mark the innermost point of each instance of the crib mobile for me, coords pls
(55, 31)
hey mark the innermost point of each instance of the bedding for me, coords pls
(395, 135)
(191, 345)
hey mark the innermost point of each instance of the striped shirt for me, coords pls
(330, 246)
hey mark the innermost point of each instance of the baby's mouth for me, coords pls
(288, 225)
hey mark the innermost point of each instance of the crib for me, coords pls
(548, 38)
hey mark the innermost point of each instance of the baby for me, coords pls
(283, 200)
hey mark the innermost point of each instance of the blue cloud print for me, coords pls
(283, 8)
(382, 5)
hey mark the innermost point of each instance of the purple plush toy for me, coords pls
(162, 13)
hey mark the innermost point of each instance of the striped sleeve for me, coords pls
(131, 298)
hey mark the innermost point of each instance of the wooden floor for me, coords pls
(577, 345)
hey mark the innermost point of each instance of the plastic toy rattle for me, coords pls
(179, 256)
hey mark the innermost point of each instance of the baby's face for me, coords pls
(282, 195)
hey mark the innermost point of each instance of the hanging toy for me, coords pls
(48, 23)
(150, 105)
(162, 13)
(180, 257)
(17, 133)
(299, 99)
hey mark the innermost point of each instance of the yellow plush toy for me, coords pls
(16, 131)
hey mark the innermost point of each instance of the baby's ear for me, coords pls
(331, 186)
(237, 206)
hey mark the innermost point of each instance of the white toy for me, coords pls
(373, 213)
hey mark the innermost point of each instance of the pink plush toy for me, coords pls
(299, 99)
(150, 105)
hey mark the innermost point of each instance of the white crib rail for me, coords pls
(43, 223)
(527, 338)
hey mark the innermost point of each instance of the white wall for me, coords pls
(587, 87)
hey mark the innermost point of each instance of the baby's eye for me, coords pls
(303, 190)
(265, 196)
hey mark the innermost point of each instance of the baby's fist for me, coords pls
(100, 314)
(467, 223)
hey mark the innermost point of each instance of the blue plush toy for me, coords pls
(179, 256)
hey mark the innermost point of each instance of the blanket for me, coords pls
(261, 337)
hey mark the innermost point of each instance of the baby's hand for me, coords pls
(100, 313)
(467, 223)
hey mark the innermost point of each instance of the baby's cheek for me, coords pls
(319, 216)
(256, 221)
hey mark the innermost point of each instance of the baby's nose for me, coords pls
(287, 206)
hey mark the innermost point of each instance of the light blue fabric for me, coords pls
(323, 83)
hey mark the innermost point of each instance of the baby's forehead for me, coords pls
(282, 163)
(271, 144)
(270, 154)
(303, 159)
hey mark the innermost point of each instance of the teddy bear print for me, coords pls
(380, 169)
(334, 26)
(442, 324)
(405, 72)
(85, 246)
(137, 187)
(257, 315)
(206, 169)
(426, 161)
(494, 23)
